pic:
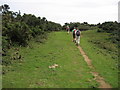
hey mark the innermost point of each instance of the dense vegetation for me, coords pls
(18, 29)
(113, 28)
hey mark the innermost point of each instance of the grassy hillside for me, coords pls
(34, 72)
(103, 53)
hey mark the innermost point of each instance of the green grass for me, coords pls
(33, 71)
(103, 54)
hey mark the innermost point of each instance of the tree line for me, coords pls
(81, 26)
(19, 29)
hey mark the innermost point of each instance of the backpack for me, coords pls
(78, 33)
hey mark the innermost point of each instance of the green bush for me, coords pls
(18, 33)
(5, 43)
(99, 30)
(111, 27)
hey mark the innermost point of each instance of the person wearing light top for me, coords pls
(68, 29)
(77, 34)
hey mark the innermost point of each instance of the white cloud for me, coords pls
(61, 11)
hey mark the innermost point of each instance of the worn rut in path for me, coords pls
(98, 78)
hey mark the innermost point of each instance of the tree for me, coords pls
(5, 7)
(85, 23)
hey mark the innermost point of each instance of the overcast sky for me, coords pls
(62, 11)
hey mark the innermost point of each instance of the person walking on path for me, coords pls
(68, 29)
(73, 32)
(77, 34)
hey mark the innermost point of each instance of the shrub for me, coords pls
(18, 33)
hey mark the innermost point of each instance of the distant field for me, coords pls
(34, 72)
(103, 53)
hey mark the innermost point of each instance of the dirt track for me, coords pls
(98, 78)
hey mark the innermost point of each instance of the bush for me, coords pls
(5, 43)
(18, 33)
(36, 31)
(113, 28)
(99, 30)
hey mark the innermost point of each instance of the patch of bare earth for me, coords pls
(98, 78)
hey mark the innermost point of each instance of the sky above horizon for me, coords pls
(62, 11)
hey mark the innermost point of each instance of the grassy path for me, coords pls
(34, 71)
(72, 71)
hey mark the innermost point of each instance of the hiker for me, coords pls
(68, 29)
(74, 31)
(77, 34)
